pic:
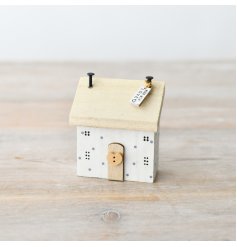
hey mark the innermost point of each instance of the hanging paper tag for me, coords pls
(140, 95)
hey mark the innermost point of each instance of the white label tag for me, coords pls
(140, 96)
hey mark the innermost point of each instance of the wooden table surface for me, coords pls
(41, 198)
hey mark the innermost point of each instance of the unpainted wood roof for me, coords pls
(107, 105)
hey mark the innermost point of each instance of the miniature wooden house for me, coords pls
(115, 139)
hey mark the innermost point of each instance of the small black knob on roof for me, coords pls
(149, 78)
(90, 74)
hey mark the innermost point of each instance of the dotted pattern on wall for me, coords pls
(92, 153)
(146, 161)
(146, 138)
(87, 155)
(86, 133)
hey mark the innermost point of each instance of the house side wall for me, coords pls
(156, 154)
(92, 149)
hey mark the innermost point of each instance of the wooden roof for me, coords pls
(107, 105)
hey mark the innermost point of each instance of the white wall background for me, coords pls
(117, 33)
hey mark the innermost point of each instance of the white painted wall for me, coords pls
(117, 33)
(135, 169)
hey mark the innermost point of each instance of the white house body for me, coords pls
(140, 157)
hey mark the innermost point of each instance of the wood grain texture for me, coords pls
(107, 105)
(42, 198)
